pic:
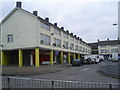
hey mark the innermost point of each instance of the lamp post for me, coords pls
(114, 24)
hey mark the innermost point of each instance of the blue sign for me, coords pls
(56, 52)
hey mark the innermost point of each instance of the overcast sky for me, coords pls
(88, 19)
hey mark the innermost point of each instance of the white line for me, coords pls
(85, 69)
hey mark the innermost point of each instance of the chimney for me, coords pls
(62, 28)
(98, 40)
(67, 31)
(75, 35)
(19, 4)
(35, 13)
(47, 19)
(55, 24)
(72, 34)
(80, 39)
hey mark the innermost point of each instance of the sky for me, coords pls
(88, 19)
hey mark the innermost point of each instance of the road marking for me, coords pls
(85, 69)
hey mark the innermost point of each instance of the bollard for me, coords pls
(110, 86)
(8, 83)
(52, 85)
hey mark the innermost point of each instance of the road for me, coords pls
(85, 73)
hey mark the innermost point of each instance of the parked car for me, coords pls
(87, 61)
(77, 62)
(96, 60)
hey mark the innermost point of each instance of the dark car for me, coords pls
(77, 62)
(87, 61)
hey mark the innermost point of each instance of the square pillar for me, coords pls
(51, 57)
(68, 57)
(74, 56)
(37, 59)
(20, 58)
(2, 58)
(61, 57)
(78, 56)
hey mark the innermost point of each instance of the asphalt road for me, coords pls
(85, 73)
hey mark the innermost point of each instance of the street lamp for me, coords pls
(114, 24)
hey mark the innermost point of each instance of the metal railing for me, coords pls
(18, 82)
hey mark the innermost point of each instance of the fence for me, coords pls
(18, 82)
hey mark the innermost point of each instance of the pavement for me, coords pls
(110, 68)
(32, 70)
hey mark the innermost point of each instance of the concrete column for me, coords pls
(2, 58)
(68, 57)
(74, 56)
(20, 58)
(78, 56)
(61, 57)
(51, 57)
(37, 60)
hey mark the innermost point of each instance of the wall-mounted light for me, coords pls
(52, 33)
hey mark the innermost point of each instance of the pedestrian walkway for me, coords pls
(32, 70)
(110, 68)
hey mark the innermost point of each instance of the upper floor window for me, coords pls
(44, 39)
(45, 26)
(72, 46)
(114, 45)
(65, 35)
(80, 49)
(114, 50)
(57, 42)
(10, 38)
(56, 31)
(65, 45)
(76, 47)
(71, 38)
(77, 41)
(83, 50)
(103, 50)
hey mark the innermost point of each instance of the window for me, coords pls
(80, 49)
(10, 38)
(72, 46)
(114, 45)
(57, 31)
(65, 44)
(83, 50)
(65, 35)
(47, 40)
(45, 26)
(76, 47)
(44, 39)
(114, 50)
(71, 38)
(57, 42)
(103, 50)
(86, 50)
(77, 41)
